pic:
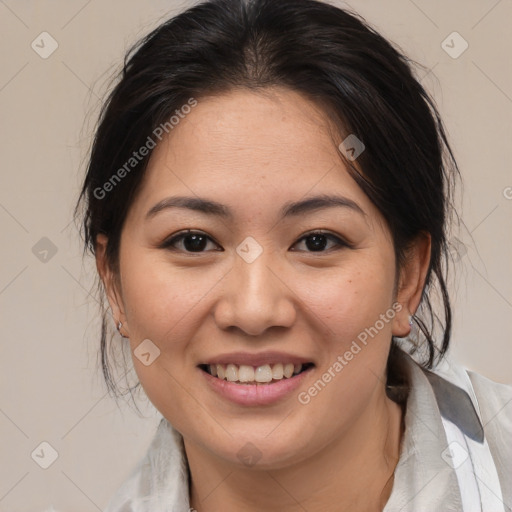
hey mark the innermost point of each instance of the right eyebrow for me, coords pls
(192, 203)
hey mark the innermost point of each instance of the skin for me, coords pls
(254, 152)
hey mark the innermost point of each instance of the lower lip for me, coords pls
(255, 394)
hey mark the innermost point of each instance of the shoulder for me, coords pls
(482, 409)
(495, 404)
(494, 398)
(457, 387)
(159, 482)
(492, 401)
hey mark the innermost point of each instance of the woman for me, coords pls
(267, 200)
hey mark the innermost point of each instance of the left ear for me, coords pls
(411, 282)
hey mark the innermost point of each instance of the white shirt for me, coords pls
(455, 452)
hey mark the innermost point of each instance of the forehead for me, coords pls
(252, 147)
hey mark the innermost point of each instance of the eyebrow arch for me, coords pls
(192, 203)
(290, 209)
(317, 203)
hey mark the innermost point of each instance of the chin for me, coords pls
(272, 451)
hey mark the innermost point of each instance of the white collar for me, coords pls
(160, 480)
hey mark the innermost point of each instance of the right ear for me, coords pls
(108, 279)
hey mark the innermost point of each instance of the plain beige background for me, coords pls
(52, 389)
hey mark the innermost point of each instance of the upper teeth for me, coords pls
(245, 373)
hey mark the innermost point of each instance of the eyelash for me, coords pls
(168, 244)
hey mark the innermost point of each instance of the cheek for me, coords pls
(163, 305)
(351, 303)
(160, 299)
(350, 298)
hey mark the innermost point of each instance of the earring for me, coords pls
(119, 325)
(410, 321)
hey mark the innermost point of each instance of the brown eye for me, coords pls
(319, 241)
(189, 242)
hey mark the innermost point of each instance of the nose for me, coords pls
(255, 297)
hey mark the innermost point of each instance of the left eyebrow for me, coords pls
(290, 209)
(317, 203)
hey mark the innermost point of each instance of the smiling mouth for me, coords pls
(264, 374)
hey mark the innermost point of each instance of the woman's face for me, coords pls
(257, 289)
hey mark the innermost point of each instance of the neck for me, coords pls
(353, 472)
